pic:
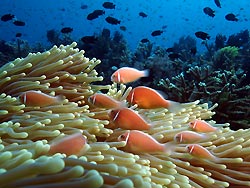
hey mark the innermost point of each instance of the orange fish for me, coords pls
(148, 98)
(140, 142)
(126, 74)
(201, 126)
(197, 150)
(104, 101)
(127, 118)
(74, 144)
(188, 137)
(37, 98)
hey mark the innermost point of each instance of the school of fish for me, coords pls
(123, 117)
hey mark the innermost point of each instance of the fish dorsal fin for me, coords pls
(162, 94)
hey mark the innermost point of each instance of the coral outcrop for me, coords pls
(223, 87)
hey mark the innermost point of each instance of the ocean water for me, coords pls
(175, 18)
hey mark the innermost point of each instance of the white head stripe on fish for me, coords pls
(132, 97)
(94, 98)
(195, 123)
(116, 115)
(118, 76)
(191, 150)
(181, 138)
(127, 137)
(24, 98)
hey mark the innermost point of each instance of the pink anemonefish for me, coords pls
(201, 126)
(127, 74)
(189, 137)
(74, 144)
(37, 98)
(127, 118)
(149, 98)
(104, 101)
(199, 151)
(140, 142)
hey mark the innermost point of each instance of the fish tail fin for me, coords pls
(174, 107)
(170, 148)
(83, 150)
(146, 73)
(60, 98)
(123, 104)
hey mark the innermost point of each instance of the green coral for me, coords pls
(225, 57)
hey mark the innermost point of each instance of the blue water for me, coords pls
(182, 17)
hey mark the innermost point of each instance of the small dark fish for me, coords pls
(174, 56)
(164, 26)
(18, 34)
(84, 6)
(170, 50)
(7, 17)
(123, 28)
(209, 11)
(144, 40)
(66, 30)
(62, 9)
(193, 50)
(231, 17)
(217, 2)
(95, 14)
(108, 5)
(19, 23)
(112, 20)
(202, 35)
(89, 39)
(156, 33)
(142, 14)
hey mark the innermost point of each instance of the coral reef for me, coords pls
(239, 40)
(223, 87)
(184, 48)
(18, 48)
(27, 132)
(57, 38)
(111, 50)
(224, 58)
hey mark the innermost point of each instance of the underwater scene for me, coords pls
(125, 94)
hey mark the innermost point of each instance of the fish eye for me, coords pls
(188, 148)
(177, 138)
(90, 99)
(122, 137)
